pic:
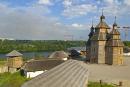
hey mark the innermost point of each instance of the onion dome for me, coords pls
(102, 23)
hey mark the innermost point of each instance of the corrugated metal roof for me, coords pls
(14, 53)
(71, 73)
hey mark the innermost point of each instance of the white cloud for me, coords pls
(77, 25)
(30, 23)
(78, 10)
(67, 3)
(127, 2)
(45, 2)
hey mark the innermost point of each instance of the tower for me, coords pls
(114, 47)
(88, 44)
(14, 60)
(98, 42)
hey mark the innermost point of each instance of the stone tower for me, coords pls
(98, 42)
(114, 47)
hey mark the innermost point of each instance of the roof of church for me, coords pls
(14, 53)
(71, 73)
(99, 36)
(91, 32)
(112, 41)
(38, 65)
(116, 43)
(102, 24)
(115, 32)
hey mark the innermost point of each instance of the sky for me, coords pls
(59, 19)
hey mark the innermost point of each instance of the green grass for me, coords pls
(12, 80)
(97, 84)
(2, 63)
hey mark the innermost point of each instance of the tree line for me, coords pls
(37, 45)
(41, 45)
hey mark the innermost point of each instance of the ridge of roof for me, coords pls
(14, 53)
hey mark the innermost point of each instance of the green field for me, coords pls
(12, 80)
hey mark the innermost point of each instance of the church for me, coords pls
(104, 45)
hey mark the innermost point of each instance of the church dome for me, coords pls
(102, 17)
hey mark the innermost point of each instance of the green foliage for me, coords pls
(12, 80)
(127, 43)
(97, 84)
(37, 45)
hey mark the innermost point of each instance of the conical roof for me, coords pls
(102, 24)
(14, 53)
(115, 43)
(99, 36)
(115, 32)
(58, 54)
(112, 41)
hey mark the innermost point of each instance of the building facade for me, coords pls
(105, 47)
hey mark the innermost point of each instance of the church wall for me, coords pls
(101, 51)
(117, 55)
(114, 55)
(93, 54)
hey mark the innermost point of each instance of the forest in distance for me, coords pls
(37, 45)
(41, 45)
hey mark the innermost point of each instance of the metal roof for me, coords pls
(71, 73)
(14, 53)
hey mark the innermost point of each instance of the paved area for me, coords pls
(111, 74)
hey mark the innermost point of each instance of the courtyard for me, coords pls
(111, 73)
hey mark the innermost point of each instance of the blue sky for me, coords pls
(59, 19)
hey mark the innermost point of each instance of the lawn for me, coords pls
(12, 80)
(97, 84)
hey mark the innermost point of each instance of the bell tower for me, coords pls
(114, 47)
(98, 42)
